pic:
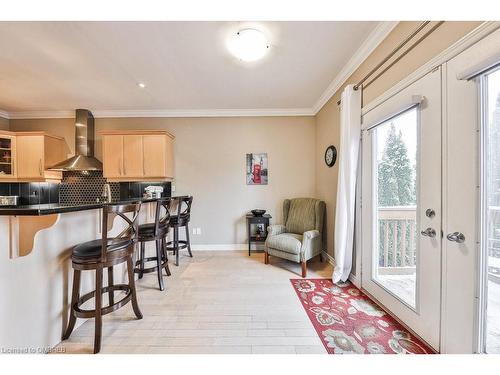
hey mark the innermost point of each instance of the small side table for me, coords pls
(252, 219)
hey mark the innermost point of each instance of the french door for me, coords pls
(471, 272)
(401, 205)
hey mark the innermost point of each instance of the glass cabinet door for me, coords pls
(7, 156)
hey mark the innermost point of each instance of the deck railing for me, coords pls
(398, 236)
(397, 240)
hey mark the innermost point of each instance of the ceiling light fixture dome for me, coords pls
(248, 44)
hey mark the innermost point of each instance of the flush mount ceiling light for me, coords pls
(141, 85)
(248, 45)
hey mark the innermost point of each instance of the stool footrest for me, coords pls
(83, 313)
(183, 244)
(149, 269)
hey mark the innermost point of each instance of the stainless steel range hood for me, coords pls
(84, 159)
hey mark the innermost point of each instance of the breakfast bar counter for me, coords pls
(58, 208)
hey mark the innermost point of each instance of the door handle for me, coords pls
(456, 237)
(429, 232)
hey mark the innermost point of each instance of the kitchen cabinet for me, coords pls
(7, 155)
(25, 156)
(36, 152)
(137, 155)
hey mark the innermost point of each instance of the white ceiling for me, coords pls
(55, 67)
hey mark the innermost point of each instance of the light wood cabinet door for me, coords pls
(133, 161)
(112, 150)
(155, 155)
(30, 156)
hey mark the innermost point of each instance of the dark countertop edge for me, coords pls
(54, 208)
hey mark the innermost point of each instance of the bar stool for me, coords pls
(157, 232)
(181, 219)
(97, 255)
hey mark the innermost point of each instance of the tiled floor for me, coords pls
(216, 302)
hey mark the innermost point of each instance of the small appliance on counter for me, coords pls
(153, 192)
(9, 200)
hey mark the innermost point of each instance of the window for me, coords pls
(395, 251)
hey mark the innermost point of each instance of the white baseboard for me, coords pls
(329, 258)
(224, 247)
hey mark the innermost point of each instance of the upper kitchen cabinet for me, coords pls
(7, 155)
(137, 155)
(25, 156)
(36, 152)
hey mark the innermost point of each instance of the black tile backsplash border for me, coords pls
(76, 189)
(130, 190)
(32, 192)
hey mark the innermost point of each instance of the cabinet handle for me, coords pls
(40, 167)
(120, 166)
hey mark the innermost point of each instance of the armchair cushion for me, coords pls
(300, 215)
(286, 242)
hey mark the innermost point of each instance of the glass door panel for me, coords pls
(491, 212)
(395, 205)
(6, 157)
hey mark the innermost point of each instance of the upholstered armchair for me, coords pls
(300, 237)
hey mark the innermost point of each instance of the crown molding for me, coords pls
(4, 114)
(164, 113)
(40, 114)
(206, 113)
(374, 39)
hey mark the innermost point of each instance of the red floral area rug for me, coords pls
(347, 321)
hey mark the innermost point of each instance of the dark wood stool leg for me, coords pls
(176, 244)
(164, 247)
(188, 241)
(74, 300)
(98, 305)
(141, 260)
(131, 283)
(158, 263)
(111, 293)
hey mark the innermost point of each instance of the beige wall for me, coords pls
(328, 119)
(4, 123)
(296, 160)
(210, 164)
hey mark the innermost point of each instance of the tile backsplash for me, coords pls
(136, 189)
(86, 187)
(77, 188)
(32, 192)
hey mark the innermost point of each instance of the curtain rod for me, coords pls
(396, 50)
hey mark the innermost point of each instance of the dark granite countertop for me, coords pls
(57, 208)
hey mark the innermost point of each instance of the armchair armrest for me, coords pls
(275, 229)
(311, 244)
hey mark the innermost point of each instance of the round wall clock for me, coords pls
(330, 156)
